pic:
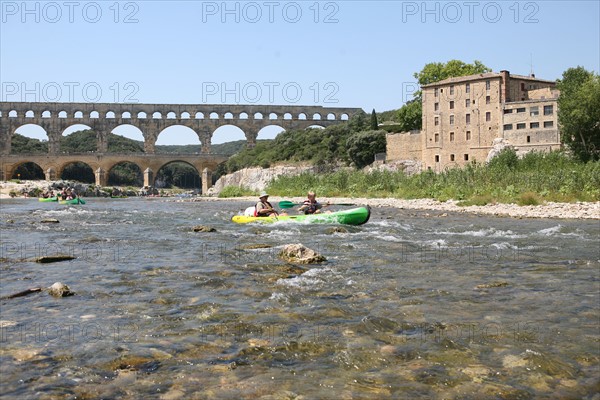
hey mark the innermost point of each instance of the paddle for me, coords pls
(289, 204)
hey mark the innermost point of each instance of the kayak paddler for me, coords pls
(263, 208)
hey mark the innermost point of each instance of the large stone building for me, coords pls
(464, 116)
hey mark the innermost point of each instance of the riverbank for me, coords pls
(579, 210)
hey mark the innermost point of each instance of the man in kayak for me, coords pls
(311, 205)
(263, 208)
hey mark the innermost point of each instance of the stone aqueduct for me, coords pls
(151, 119)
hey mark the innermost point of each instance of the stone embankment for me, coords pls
(256, 178)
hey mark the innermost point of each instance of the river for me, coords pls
(410, 305)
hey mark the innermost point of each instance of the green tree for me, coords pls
(410, 115)
(374, 124)
(363, 146)
(436, 71)
(579, 112)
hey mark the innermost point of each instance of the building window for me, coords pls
(548, 110)
(466, 157)
(488, 116)
(468, 135)
(467, 102)
(435, 92)
(487, 100)
(436, 138)
(452, 90)
(521, 126)
(468, 119)
(508, 111)
(522, 85)
(508, 127)
(452, 120)
(452, 136)
(451, 157)
(520, 110)
(452, 105)
(534, 125)
(437, 158)
(487, 85)
(533, 111)
(436, 121)
(436, 106)
(468, 88)
(528, 139)
(548, 124)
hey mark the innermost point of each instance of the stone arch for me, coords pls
(316, 117)
(31, 131)
(171, 115)
(187, 180)
(232, 132)
(110, 115)
(29, 114)
(258, 115)
(94, 115)
(199, 115)
(273, 116)
(13, 114)
(113, 177)
(185, 115)
(270, 131)
(63, 114)
(243, 115)
(156, 115)
(186, 130)
(22, 170)
(228, 115)
(78, 172)
(142, 115)
(344, 117)
(125, 115)
(287, 116)
(214, 115)
(129, 131)
(331, 117)
(78, 114)
(46, 114)
(302, 116)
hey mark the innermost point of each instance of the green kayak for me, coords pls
(72, 201)
(47, 199)
(354, 216)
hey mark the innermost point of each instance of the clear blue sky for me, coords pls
(338, 53)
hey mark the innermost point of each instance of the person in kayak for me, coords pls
(311, 205)
(263, 208)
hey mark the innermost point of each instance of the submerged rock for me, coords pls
(336, 229)
(491, 285)
(56, 258)
(300, 254)
(59, 289)
(203, 228)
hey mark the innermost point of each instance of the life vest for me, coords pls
(311, 208)
(256, 209)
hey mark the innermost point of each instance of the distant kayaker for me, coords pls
(311, 205)
(263, 208)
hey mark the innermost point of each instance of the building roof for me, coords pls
(483, 76)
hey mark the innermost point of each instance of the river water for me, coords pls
(410, 305)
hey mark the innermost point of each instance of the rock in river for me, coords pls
(50, 221)
(299, 254)
(204, 228)
(55, 258)
(60, 290)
